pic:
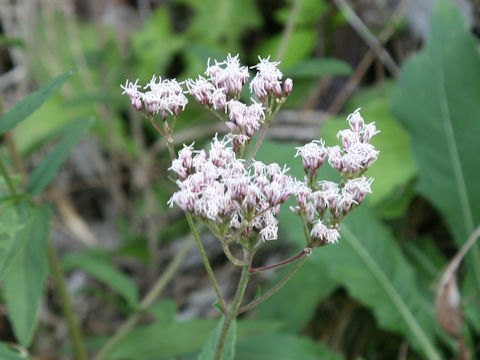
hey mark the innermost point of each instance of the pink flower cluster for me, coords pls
(324, 204)
(164, 97)
(219, 189)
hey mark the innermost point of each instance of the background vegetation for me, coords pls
(84, 180)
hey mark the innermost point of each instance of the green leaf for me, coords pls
(369, 263)
(163, 341)
(231, 18)
(7, 354)
(208, 351)
(32, 102)
(102, 269)
(11, 223)
(299, 47)
(282, 347)
(296, 302)
(23, 283)
(314, 68)
(437, 101)
(47, 169)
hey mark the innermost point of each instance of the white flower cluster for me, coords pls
(163, 97)
(357, 153)
(326, 203)
(326, 207)
(218, 188)
(222, 88)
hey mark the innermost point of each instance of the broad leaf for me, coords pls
(102, 269)
(7, 354)
(314, 68)
(33, 101)
(296, 302)
(23, 283)
(437, 101)
(172, 340)
(47, 169)
(368, 262)
(282, 347)
(208, 351)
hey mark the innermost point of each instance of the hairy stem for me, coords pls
(272, 290)
(233, 310)
(66, 303)
(147, 301)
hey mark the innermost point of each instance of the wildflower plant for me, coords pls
(239, 198)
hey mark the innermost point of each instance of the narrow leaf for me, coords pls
(314, 68)
(32, 102)
(208, 351)
(23, 284)
(437, 101)
(45, 172)
(103, 270)
(11, 224)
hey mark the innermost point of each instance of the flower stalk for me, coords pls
(233, 310)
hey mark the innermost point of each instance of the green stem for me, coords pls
(233, 311)
(66, 303)
(230, 256)
(273, 290)
(8, 179)
(206, 262)
(147, 301)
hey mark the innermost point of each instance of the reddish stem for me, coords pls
(302, 252)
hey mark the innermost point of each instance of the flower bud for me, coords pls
(287, 86)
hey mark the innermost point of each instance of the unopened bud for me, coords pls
(288, 86)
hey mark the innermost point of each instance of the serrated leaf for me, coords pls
(208, 351)
(369, 263)
(103, 270)
(282, 347)
(23, 283)
(32, 102)
(314, 68)
(47, 169)
(437, 101)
